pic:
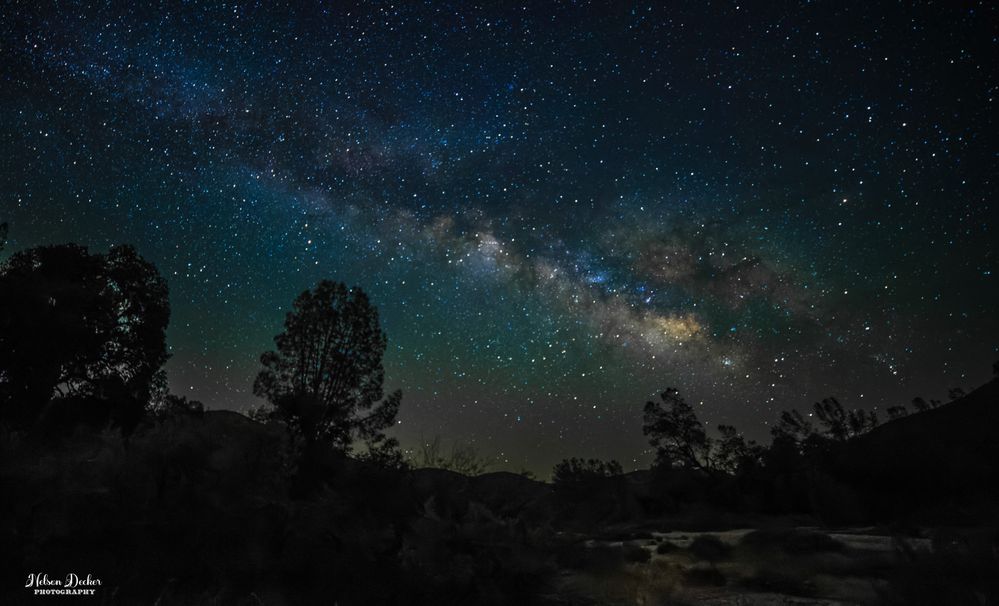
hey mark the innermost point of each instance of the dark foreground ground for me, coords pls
(777, 566)
(215, 508)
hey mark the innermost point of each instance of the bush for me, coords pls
(635, 553)
(960, 571)
(704, 576)
(597, 559)
(665, 547)
(475, 560)
(710, 548)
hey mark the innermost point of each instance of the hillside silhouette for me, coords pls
(928, 463)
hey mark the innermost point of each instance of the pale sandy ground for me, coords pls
(846, 577)
(852, 538)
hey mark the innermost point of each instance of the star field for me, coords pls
(559, 209)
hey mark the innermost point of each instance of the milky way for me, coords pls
(560, 210)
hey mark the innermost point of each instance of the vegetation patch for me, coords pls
(665, 547)
(709, 548)
(699, 576)
(635, 553)
(791, 540)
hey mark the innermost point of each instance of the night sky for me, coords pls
(560, 209)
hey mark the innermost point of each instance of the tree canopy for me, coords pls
(325, 376)
(87, 331)
(834, 423)
(675, 432)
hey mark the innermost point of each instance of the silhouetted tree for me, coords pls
(832, 417)
(733, 453)
(80, 334)
(922, 405)
(840, 424)
(676, 433)
(710, 549)
(793, 436)
(796, 435)
(955, 393)
(860, 421)
(325, 377)
(792, 426)
(897, 412)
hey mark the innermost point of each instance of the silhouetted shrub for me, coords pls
(704, 576)
(196, 510)
(665, 547)
(476, 559)
(597, 559)
(589, 491)
(959, 571)
(635, 553)
(602, 559)
(709, 548)
(834, 501)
